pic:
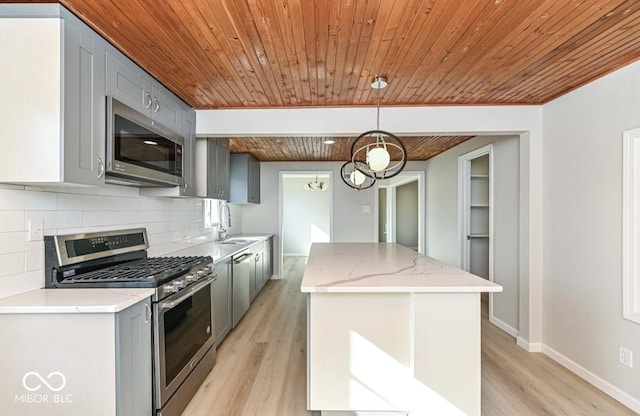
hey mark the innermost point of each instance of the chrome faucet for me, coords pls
(222, 230)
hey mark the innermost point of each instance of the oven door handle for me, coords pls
(187, 294)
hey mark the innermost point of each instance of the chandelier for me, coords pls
(375, 154)
(313, 185)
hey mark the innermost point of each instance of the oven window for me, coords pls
(187, 327)
(136, 145)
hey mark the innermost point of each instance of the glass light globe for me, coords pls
(357, 177)
(378, 159)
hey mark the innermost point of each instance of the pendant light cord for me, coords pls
(378, 107)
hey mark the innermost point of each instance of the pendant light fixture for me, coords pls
(355, 178)
(377, 154)
(313, 185)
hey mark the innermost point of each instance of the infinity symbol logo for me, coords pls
(32, 374)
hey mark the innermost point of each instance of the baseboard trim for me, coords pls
(613, 391)
(503, 326)
(529, 346)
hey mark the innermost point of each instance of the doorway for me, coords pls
(400, 202)
(306, 211)
(475, 176)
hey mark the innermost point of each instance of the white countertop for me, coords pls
(114, 300)
(381, 267)
(73, 300)
(219, 251)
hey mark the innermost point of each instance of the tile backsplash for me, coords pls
(170, 222)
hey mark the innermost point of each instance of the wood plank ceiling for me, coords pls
(284, 53)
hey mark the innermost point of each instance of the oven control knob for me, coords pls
(190, 278)
(202, 273)
(176, 286)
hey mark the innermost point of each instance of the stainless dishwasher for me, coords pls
(241, 292)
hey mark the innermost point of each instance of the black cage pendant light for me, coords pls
(378, 154)
(354, 178)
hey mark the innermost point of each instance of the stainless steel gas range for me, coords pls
(183, 333)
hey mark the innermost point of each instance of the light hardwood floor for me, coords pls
(261, 368)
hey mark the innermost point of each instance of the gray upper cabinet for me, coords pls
(212, 168)
(54, 100)
(126, 83)
(57, 115)
(222, 167)
(244, 179)
(130, 85)
(165, 109)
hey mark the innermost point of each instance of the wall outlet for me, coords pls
(626, 357)
(36, 230)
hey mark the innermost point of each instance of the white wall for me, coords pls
(350, 223)
(305, 215)
(442, 217)
(170, 224)
(582, 214)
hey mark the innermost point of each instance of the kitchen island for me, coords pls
(391, 330)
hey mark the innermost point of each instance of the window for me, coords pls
(631, 225)
(211, 213)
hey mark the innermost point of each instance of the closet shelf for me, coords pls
(477, 236)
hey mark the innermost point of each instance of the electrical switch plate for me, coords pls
(36, 230)
(366, 209)
(626, 357)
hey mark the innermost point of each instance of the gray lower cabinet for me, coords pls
(258, 270)
(67, 144)
(222, 294)
(76, 363)
(134, 360)
(268, 260)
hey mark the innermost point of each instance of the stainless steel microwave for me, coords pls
(140, 151)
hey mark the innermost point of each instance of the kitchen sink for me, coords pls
(240, 240)
(234, 241)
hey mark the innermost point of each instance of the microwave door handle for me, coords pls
(188, 293)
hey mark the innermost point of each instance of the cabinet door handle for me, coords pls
(147, 313)
(100, 168)
(148, 97)
(185, 187)
(157, 107)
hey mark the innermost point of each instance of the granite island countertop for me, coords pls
(384, 268)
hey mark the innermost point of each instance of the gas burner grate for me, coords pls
(147, 269)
